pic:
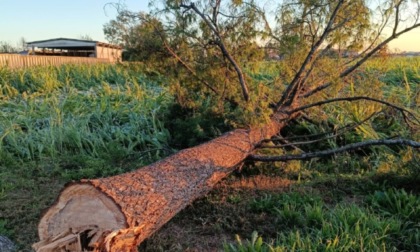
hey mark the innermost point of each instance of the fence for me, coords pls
(19, 61)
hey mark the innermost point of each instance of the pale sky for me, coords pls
(408, 42)
(47, 19)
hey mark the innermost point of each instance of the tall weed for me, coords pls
(100, 111)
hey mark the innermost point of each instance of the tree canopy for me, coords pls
(212, 50)
(139, 34)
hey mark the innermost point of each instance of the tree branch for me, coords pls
(350, 69)
(376, 49)
(336, 133)
(183, 63)
(223, 48)
(330, 152)
(397, 17)
(290, 94)
(188, 68)
(355, 98)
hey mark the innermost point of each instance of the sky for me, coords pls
(407, 42)
(46, 19)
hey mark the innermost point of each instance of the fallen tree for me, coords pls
(118, 213)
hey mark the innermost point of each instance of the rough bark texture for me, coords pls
(118, 213)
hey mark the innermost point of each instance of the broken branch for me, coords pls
(325, 153)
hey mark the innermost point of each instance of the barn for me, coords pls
(76, 48)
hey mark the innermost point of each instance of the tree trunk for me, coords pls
(119, 212)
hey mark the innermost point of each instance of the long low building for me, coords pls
(76, 48)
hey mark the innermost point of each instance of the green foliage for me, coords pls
(397, 203)
(306, 223)
(191, 127)
(273, 203)
(140, 34)
(106, 112)
(3, 230)
(255, 245)
(296, 19)
(405, 207)
(393, 85)
(202, 71)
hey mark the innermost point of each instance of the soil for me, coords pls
(217, 218)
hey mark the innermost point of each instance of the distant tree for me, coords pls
(140, 34)
(86, 37)
(21, 45)
(6, 47)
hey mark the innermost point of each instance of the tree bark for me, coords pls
(119, 212)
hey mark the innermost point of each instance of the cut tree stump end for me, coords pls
(81, 217)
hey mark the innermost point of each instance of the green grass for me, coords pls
(59, 124)
(385, 220)
(101, 112)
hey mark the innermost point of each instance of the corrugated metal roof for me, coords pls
(66, 43)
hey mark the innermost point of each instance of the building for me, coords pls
(75, 48)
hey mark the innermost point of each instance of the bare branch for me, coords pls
(385, 20)
(355, 98)
(178, 58)
(376, 49)
(317, 89)
(397, 17)
(188, 68)
(291, 91)
(222, 47)
(360, 62)
(346, 148)
(327, 136)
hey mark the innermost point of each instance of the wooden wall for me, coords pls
(19, 61)
(113, 54)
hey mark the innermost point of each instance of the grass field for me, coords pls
(59, 124)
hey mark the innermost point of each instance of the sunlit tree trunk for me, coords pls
(118, 213)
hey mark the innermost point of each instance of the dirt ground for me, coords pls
(217, 218)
